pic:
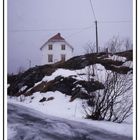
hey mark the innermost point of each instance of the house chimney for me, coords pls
(59, 34)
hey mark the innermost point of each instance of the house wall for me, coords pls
(56, 52)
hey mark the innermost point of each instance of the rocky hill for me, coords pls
(70, 77)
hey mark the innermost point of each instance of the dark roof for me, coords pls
(57, 37)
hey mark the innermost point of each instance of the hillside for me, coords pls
(69, 88)
(119, 62)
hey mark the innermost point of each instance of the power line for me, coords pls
(92, 10)
(70, 29)
(115, 21)
(69, 36)
(55, 29)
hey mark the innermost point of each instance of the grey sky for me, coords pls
(29, 21)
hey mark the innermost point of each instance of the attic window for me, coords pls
(50, 47)
(50, 58)
(63, 47)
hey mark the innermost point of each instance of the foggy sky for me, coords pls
(29, 21)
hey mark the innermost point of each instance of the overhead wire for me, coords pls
(92, 10)
(115, 21)
(54, 29)
(70, 29)
(71, 35)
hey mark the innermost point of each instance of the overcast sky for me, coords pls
(32, 22)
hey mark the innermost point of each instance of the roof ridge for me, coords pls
(56, 37)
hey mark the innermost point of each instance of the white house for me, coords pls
(56, 49)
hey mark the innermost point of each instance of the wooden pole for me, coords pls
(96, 28)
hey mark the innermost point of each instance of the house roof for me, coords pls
(56, 38)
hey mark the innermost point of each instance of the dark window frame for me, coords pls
(63, 47)
(50, 47)
(63, 57)
(50, 58)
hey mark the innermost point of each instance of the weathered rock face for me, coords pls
(67, 85)
(127, 54)
(28, 78)
(80, 62)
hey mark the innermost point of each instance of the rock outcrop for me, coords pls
(32, 82)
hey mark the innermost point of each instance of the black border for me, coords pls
(3, 119)
(3, 72)
(136, 70)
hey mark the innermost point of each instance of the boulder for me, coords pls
(43, 99)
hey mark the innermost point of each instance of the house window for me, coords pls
(50, 47)
(50, 58)
(63, 57)
(63, 47)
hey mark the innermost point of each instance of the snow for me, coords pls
(122, 129)
(61, 107)
(128, 64)
(11, 131)
(23, 88)
(59, 72)
(37, 83)
(82, 74)
(62, 128)
(117, 58)
(8, 85)
(100, 73)
(52, 128)
(65, 73)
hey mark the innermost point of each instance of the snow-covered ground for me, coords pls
(11, 131)
(61, 107)
(28, 124)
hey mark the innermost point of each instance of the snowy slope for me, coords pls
(60, 105)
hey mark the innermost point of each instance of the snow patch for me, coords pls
(117, 58)
(128, 64)
(23, 88)
(59, 72)
(82, 74)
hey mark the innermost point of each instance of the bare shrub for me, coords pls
(115, 44)
(90, 48)
(114, 103)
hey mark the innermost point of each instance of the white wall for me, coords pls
(56, 52)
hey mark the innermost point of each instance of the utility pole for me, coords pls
(96, 28)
